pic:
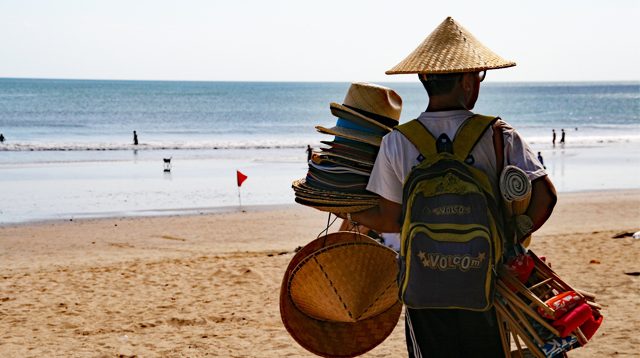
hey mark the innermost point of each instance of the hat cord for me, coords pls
(325, 232)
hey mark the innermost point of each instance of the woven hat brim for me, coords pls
(351, 134)
(337, 168)
(300, 187)
(455, 70)
(349, 154)
(311, 193)
(335, 208)
(321, 200)
(333, 339)
(345, 112)
(364, 149)
(450, 48)
(340, 160)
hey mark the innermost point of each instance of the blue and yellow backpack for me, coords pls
(452, 237)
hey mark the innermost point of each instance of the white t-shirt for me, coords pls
(398, 155)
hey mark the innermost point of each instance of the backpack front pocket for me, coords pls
(447, 266)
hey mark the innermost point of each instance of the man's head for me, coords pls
(451, 63)
(453, 89)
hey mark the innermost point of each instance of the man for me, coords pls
(541, 160)
(450, 63)
(309, 152)
(562, 136)
(553, 138)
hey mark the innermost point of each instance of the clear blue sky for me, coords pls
(289, 40)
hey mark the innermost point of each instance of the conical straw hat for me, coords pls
(339, 296)
(450, 48)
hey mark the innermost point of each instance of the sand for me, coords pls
(207, 285)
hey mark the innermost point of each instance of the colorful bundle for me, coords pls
(339, 173)
(538, 308)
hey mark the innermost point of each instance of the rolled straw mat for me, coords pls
(515, 187)
(339, 296)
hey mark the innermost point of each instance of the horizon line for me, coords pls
(291, 81)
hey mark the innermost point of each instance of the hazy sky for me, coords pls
(298, 40)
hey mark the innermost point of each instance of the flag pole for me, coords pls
(240, 178)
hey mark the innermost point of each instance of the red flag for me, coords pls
(240, 177)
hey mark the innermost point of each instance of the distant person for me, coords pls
(541, 160)
(1, 138)
(135, 138)
(562, 137)
(309, 152)
(553, 139)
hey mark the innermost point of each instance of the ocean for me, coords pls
(68, 149)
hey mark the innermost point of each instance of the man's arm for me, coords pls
(543, 200)
(383, 218)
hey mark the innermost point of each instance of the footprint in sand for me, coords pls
(181, 322)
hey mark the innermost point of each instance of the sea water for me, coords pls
(68, 148)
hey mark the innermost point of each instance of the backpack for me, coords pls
(452, 225)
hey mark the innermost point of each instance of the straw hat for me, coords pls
(370, 103)
(339, 296)
(450, 48)
(369, 111)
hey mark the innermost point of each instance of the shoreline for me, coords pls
(154, 214)
(227, 209)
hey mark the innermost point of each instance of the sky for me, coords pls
(298, 40)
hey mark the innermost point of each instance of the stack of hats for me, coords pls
(339, 173)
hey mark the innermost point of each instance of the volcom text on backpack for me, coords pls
(451, 238)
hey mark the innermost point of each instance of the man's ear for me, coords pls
(467, 81)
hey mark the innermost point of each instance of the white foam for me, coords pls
(156, 145)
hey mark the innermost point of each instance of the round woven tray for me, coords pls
(313, 321)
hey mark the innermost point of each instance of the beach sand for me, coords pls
(208, 285)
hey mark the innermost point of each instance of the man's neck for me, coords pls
(442, 109)
(439, 104)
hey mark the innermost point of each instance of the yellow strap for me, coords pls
(420, 136)
(469, 134)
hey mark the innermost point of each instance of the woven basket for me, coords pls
(339, 295)
(345, 282)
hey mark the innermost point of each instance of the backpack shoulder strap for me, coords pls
(498, 144)
(470, 133)
(419, 136)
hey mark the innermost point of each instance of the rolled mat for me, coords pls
(515, 187)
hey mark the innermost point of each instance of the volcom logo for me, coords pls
(441, 262)
(451, 210)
